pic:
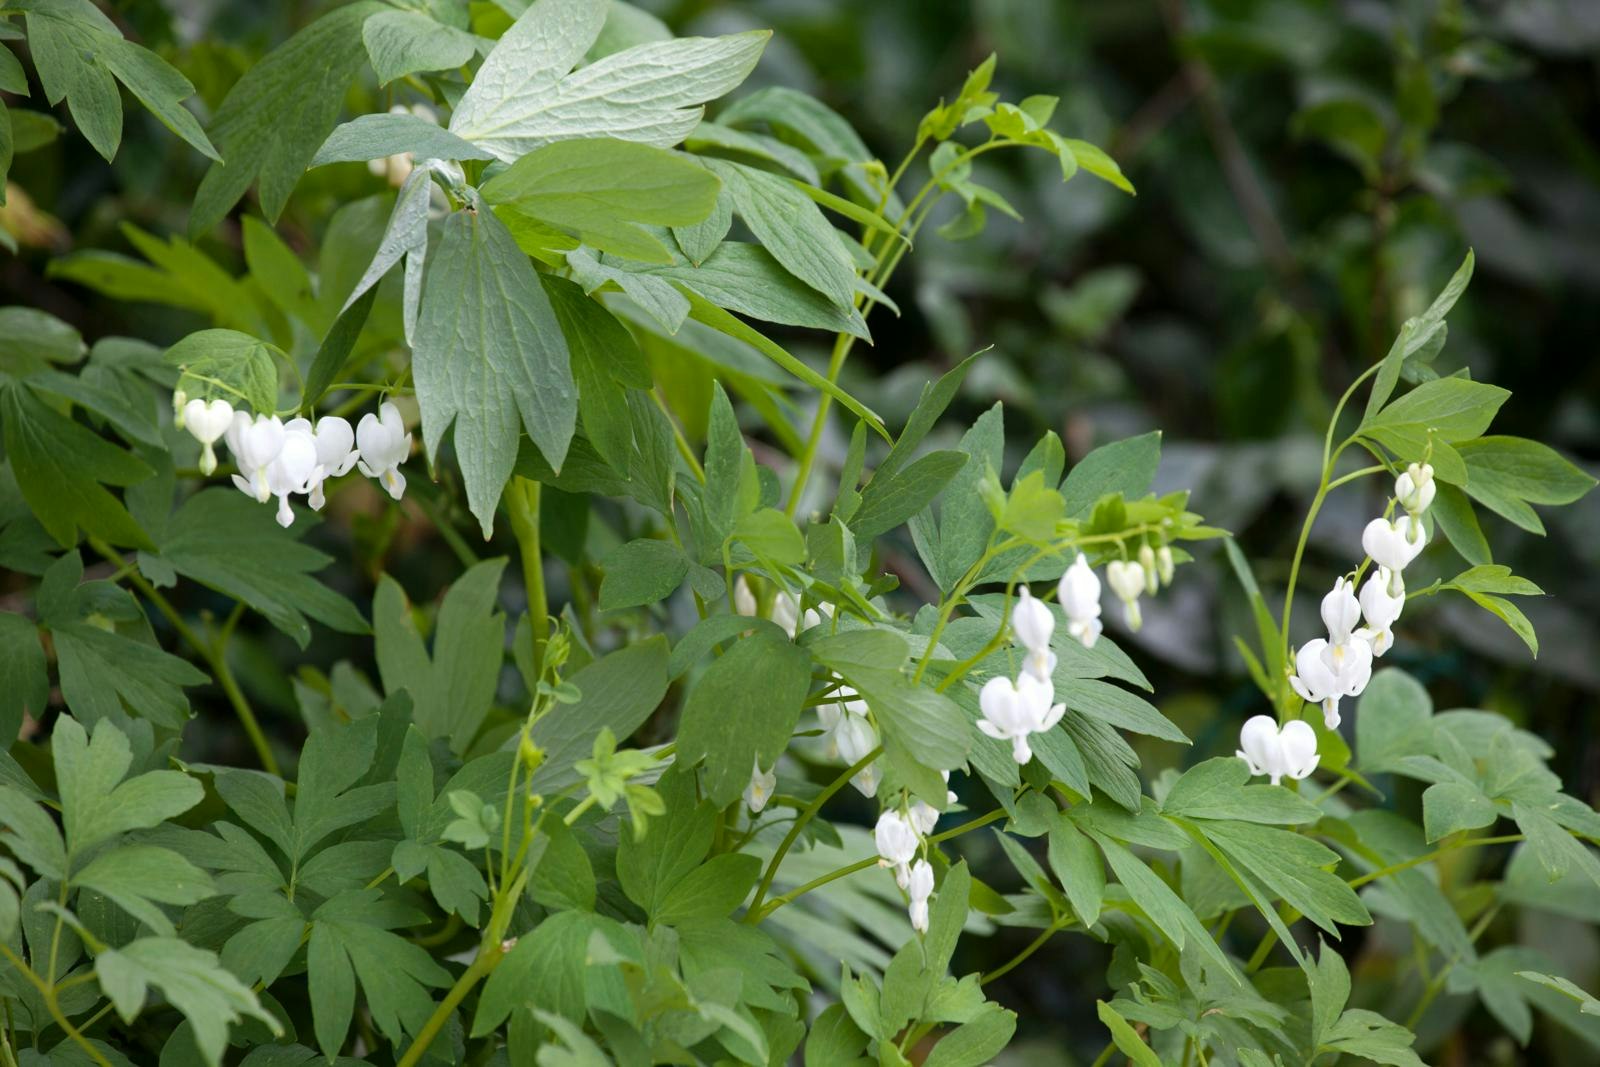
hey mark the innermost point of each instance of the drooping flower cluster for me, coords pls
(283, 459)
(1013, 710)
(1340, 665)
(899, 837)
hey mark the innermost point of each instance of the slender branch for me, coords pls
(489, 957)
(1033, 946)
(47, 992)
(522, 499)
(753, 915)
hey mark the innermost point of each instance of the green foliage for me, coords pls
(615, 832)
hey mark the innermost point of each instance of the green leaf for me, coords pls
(1216, 789)
(1453, 515)
(1329, 981)
(405, 42)
(1078, 867)
(394, 973)
(24, 680)
(336, 347)
(103, 672)
(564, 879)
(834, 1040)
(1125, 1037)
(490, 357)
(191, 979)
(676, 845)
(1164, 907)
(975, 1042)
(1369, 1035)
(272, 120)
(605, 361)
(137, 877)
(1506, 474)
(599, 190)
(77, 51)
(955, 541)
(1393, 721)
(1127, 467)
(61, 468)
(225, 540)
(771, 536)
(31, 834)
(791, 227)
(886, 502)
(96, 803)
(228, 364)
(546, 967)
(1415, 334)
(335, 758)
(1556, 850)
(936, 397)
(1451, 806)
(523, 96)
(711, 891)
(1293, 867)
(451, 691)
(641, 572)
(393, 133)
(1350, 125)
(727, 729)
(1443, 410)
(747, 279)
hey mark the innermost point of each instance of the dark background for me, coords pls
(1309, 174)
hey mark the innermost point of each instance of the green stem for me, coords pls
(871, 861)
(489, 957)
(47, 993)
(679, 439)
(522, 497)
(1033, 946)
(811, 809)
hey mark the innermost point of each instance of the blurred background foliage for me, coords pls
(1309, 173)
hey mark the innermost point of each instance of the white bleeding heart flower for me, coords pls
(1014, 710)
(924, 816)
(897, 842)
(336, 454)
(1341, 612)
(384, 444)
(292, 470)
(1079, 594)
(1381, 606)
(786, 613)
(759, 791)
(1415, 489)
(744, 600)
(1033, 624)
(1326, 672)
(255, 444)
(1394, 544)
(867, 780)
(1289, 752)
(1127, 582)
(207, 421)
(855, 738)
(919, 888)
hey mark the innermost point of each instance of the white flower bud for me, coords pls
(1127, 582)
(1414, 488)
(1147, 563)
(1164, 565)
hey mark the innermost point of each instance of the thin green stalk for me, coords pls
(1033, 946)
(47, 992)
(452, 537)
(806, 816)
(679, 439)
(871, 861)
(489, 957)
(522, 499)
